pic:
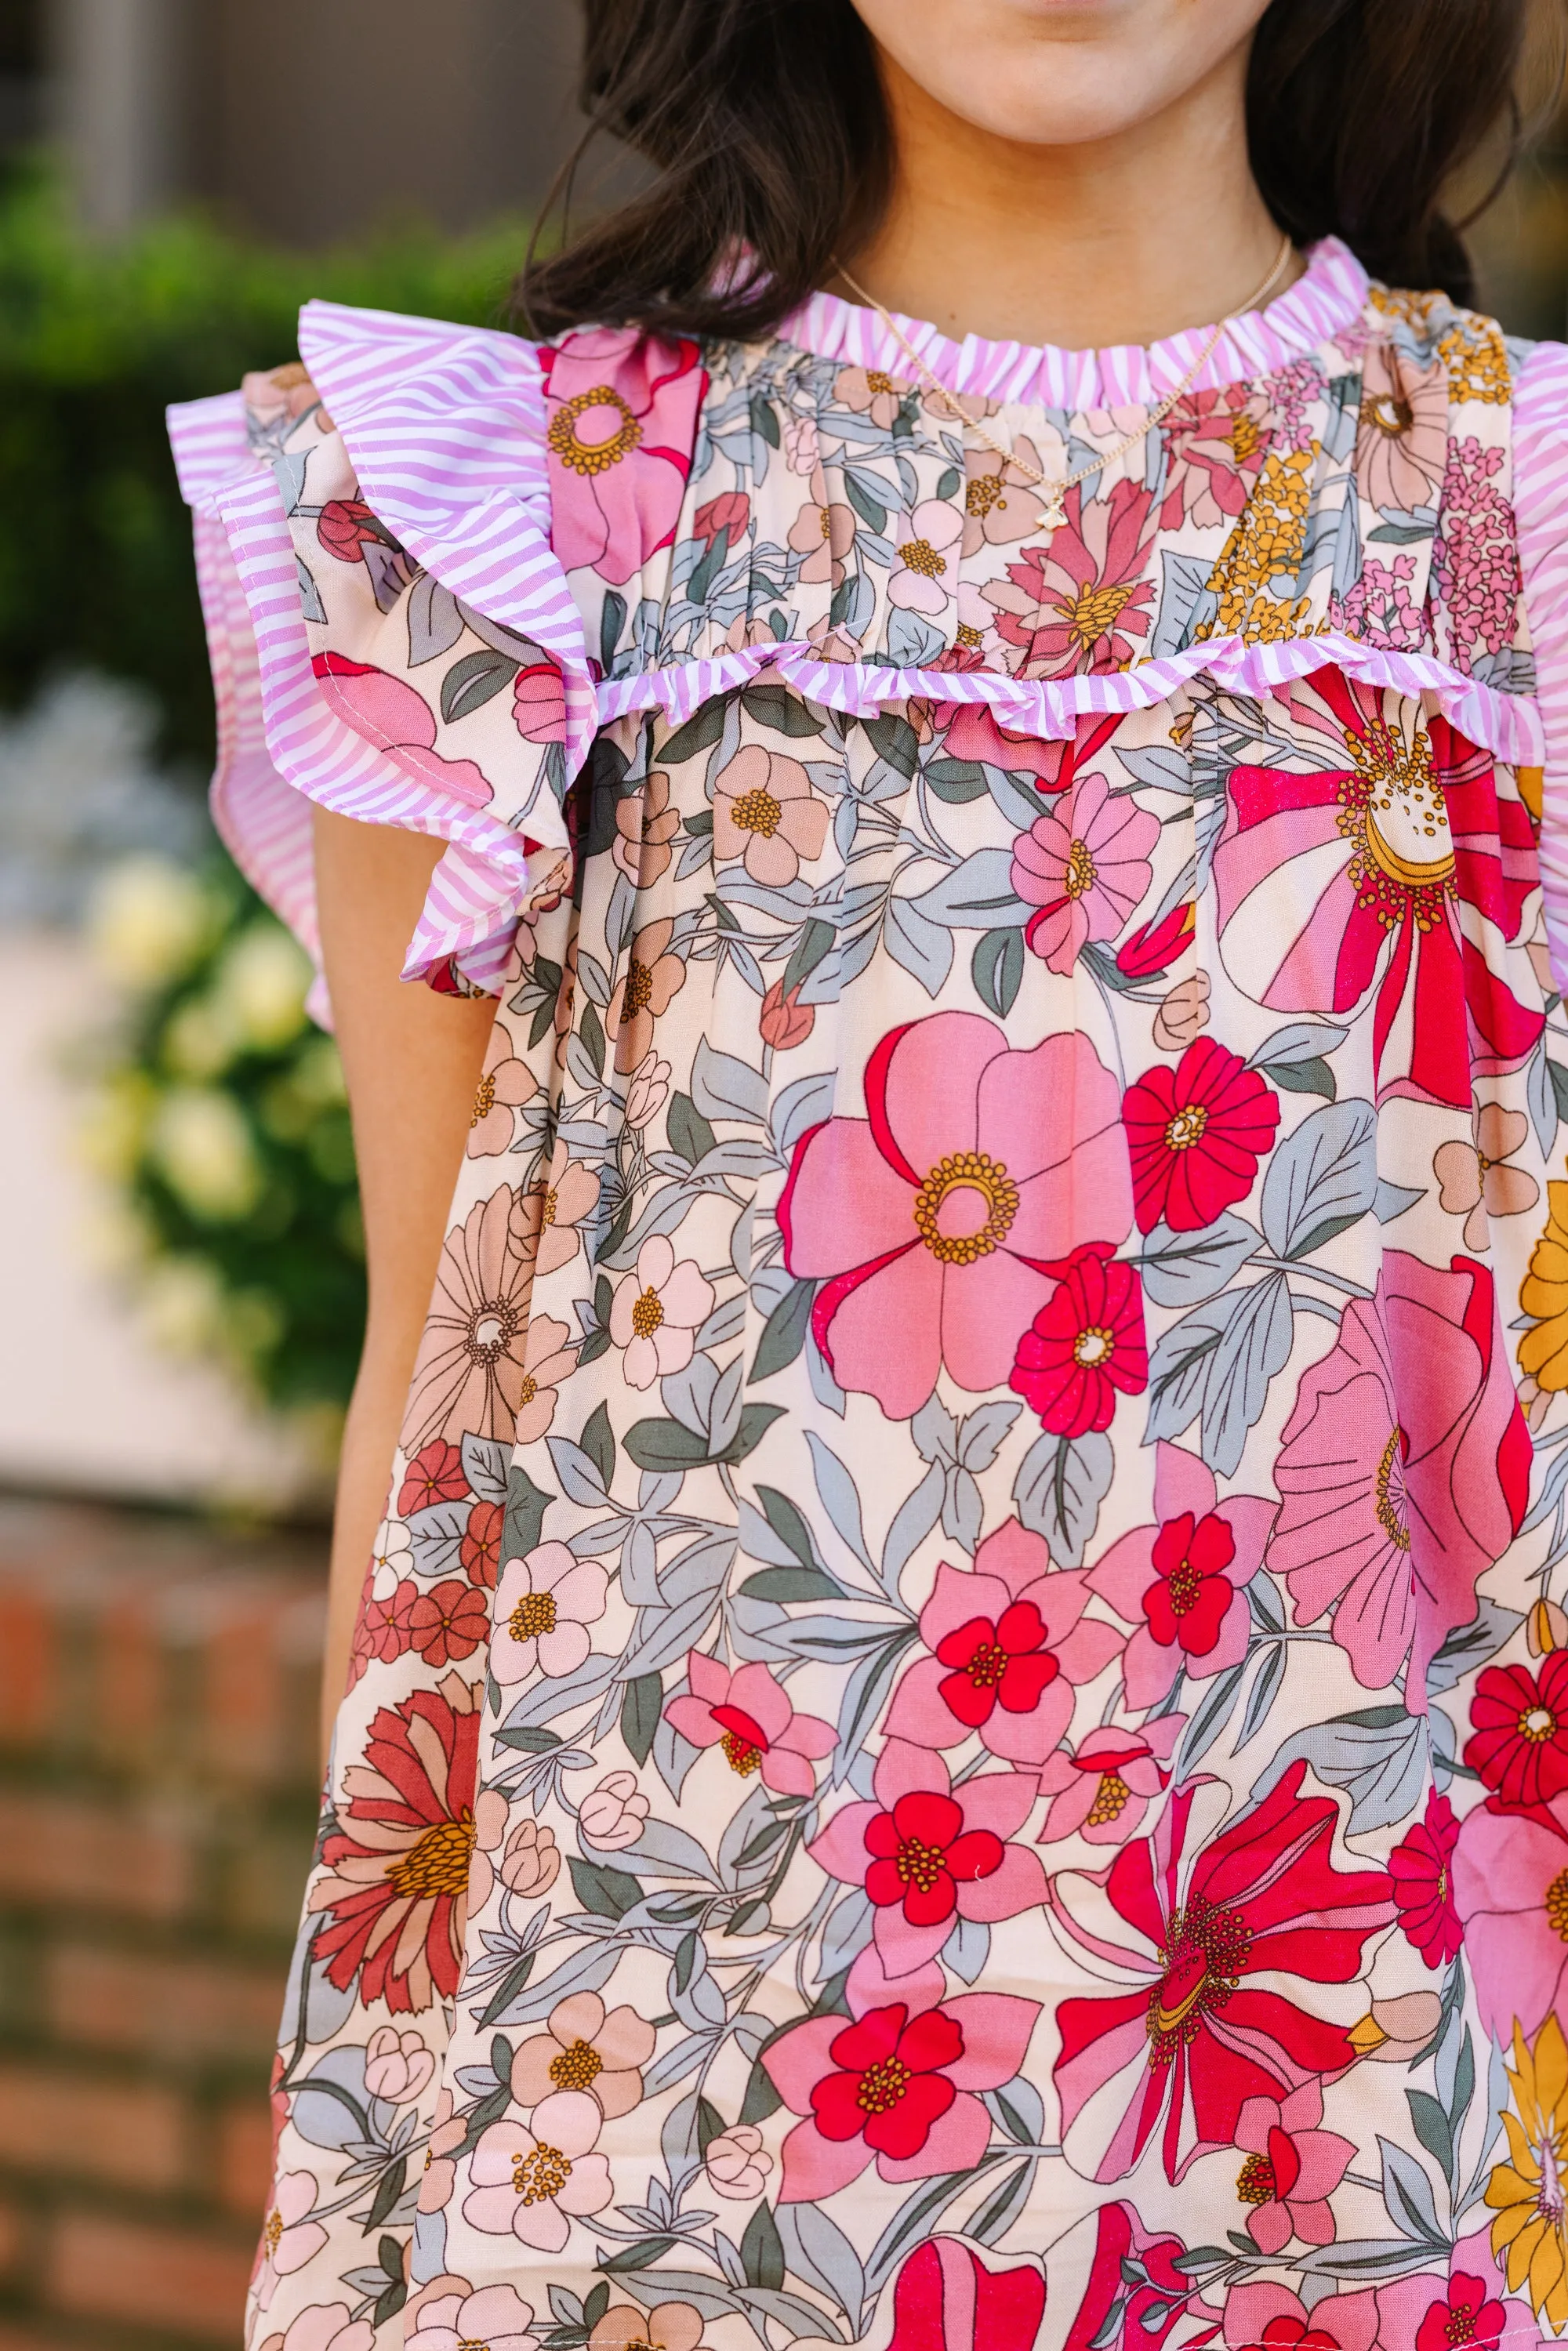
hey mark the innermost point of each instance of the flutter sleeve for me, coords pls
(1540, 504)
(391, 635)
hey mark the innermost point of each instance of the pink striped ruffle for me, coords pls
(1540, 505)
(1503, 724)
(1325, 300)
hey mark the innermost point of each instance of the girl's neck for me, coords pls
(1122, 240)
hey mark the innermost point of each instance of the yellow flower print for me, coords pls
(1543, 1295)
(1266, 544)
(1528, 2191)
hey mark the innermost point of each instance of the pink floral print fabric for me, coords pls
(958, 1732)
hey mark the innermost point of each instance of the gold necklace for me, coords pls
(1056, 492)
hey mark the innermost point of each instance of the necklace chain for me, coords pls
(1056, 492)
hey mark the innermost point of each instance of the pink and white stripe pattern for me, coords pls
(445, 425)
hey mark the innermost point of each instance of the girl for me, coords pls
(956, 1729)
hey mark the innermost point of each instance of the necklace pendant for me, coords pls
(1055, 513)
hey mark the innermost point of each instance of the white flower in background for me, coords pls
(148, 920)
(648, 1090)
(260, 988)
(392, 1557)
(613, 1812)
(201, 1143)
(657, 1311)
(397, 2065)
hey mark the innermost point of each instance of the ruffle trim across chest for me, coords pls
(612, 525)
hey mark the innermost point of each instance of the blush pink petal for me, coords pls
(998, 1800)
(1182, 1482)
(590, 2188)
(987, 1307)
(692, 1718)
(755, 1691)
(491, 2209)
(958, 1597)
(1016, 1886)
(1271, 2228)
(1017, 1556)
(919, 1713)
(1088, 1651)
(786, 1773)
(1251, 1520)
(816, 2167)
(847, 1207)
(996, 2028)
(806, 1735)
(886, 1336)
(1030, 1737)
(1324, 2158)
(933, 1078)
(869, 1985)
(958, 2141)
(903, 1947)
(543, 2226)
(674, 1345)
(800, 2059)
(708, 1678)
(841, 1849)
(1502, 1868)
(687, 1296)
(905, 1770)
(1150, 1669)
(563, 1650)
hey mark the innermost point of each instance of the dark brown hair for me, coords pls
(765, 124)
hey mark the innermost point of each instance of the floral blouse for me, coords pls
(955, 1738)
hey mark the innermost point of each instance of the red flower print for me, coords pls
(725, 518)
(1272, 2318)
(1084, 866)
(436, 1474)
(897, 2084)
(1153, 947)
(1135, 2291)
(932, 1221)
(538, 703)
(1008, 1640)
(1191, 1594)
(622, 409)
(1519, 1741)
(1086, 1344)
(948, 2298)
(1215, 443)
(399, 722)
(1191, 2036)
(1182, 1582)
(927, 1853)
(1422, 1869)
(749, 1716)
(1081, 602)
(385, 1628)
(1347, 881)
(1195, 1136)
(449, 1622)
(1466, 2314)
(396, 1866)
(975, 735)
(1404, 1468)
(479, 1552)
(345, 524)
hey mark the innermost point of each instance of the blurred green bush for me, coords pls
(95, 546)
(218, 1115)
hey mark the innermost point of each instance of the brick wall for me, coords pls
(157, 1762)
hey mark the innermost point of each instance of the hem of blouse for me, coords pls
(1508, 726)
(1328, 298)
(482, 885)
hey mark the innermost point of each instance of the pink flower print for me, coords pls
(1377, 607)
(973, 734)
(656, 1312)
(325, 2327)
(1402, 437)
(496, 2316)
(505, 1085)
(927, 1854)
(532, 2184)
(928, 1219)
(585, 2046)
(1009, 1643)
(1346, 883)
(1292, 2169)
(749, 1716)
(1474, 557)
(1102, 1790)
(823, 533)
(1001, 502)
(764, 813)
(868, 392)
(544, 1603)
(397, 2065)
(925, 574)
(614, 1812)
(622, 409)
(530, 1858)
(1267, 2317)
(736, 2163)
(538, 703)
(1085, 866)
(388, 713)
(1215, 443)
(1081, 603)
(898, 2085)
(1183, 1581)
(1511, 1889)
(289, 2237)
(1478, 1182)
(802, 445)
(1421, 1866)
(1403, 1468)
(726, 516)
(949, 2297)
